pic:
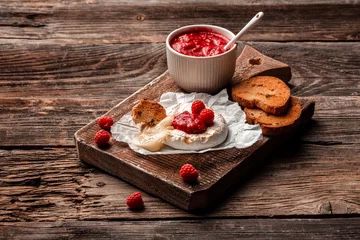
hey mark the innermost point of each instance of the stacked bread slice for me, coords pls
(267, 101)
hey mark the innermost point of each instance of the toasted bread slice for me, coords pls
(148, 113)
(270, 94)
(299, 111)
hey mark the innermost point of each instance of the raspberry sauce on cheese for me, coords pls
(200, 43)
(187, 123)
(195, 122)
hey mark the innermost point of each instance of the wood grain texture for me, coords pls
(319, 68)
(53, 122)
(51, 184)
(78, 71)
(115, 71)
(317, 203)
(63, 63)
(316, 229)
(56, 120)
(251, 63)
(123, 21)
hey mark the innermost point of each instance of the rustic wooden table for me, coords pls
(64, 63)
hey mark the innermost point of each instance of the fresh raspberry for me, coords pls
(105, 122)
(198, 126)
(188, 173)
(102, 138)
(207, 115)
(134, 201)
(197, 106)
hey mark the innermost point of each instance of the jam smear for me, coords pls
(188, 123)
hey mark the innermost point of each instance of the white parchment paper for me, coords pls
(241, 134)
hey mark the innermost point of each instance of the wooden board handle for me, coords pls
(253, 63)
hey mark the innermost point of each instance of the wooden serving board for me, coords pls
(158, 174)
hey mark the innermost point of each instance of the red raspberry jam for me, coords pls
(200, 43)
(189, 124)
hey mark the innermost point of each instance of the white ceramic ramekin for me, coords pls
(201, 74)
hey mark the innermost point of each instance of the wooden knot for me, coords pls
(140, 17)
(325, 208)
(255, 61)
(100, 184)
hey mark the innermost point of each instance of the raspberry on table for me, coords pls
(207, 115)
(197, 106)
(189, 173)
(102, 138)
(105, 122)
(134, 201)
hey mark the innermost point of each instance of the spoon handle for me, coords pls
(251, 23)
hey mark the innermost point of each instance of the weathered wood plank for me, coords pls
(102, 71)
(319, 68)
(56, 120)
(54, 85)
(39, 4)
(125, 21)
(330, 124)
(115, 71)
(302, 179)
(53, 121)
(40, 184)
(338, 228)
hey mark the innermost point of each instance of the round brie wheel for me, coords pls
(212, 137)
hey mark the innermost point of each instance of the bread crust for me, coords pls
(268, 93)
(148, 113)
(272, 125)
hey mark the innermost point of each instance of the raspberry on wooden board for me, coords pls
(102, 138)
(105, 122)
(189, 173)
